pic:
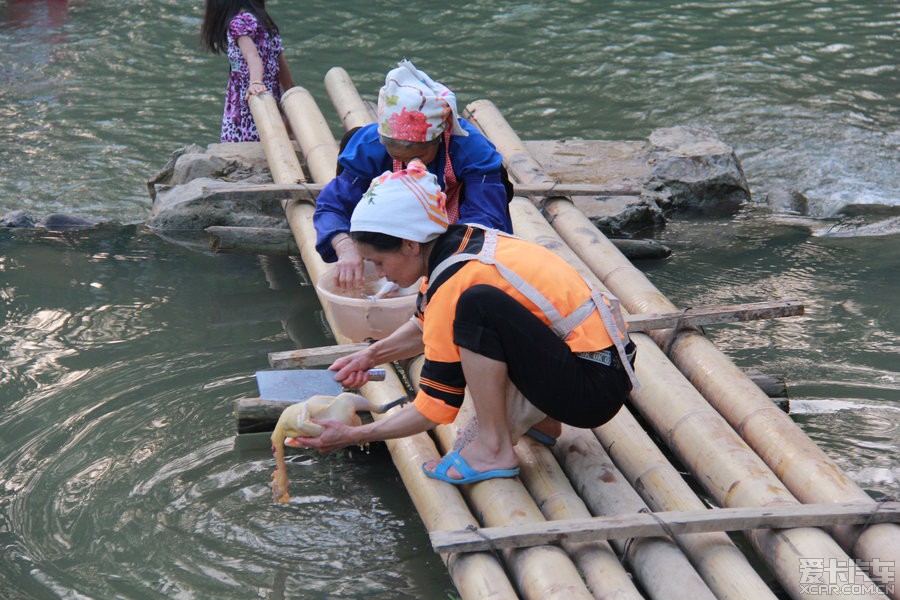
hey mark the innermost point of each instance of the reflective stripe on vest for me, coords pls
(606, 304)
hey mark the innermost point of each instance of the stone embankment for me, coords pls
(677, 170)
(637, 185)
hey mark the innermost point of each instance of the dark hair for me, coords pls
(380, 241)
(218, 15)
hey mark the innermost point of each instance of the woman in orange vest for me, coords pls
(503, 317)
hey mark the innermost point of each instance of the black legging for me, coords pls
(579, 392)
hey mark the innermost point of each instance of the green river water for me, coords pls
(121, 355)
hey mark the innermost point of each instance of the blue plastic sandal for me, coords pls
(469, 475)
(547, 440)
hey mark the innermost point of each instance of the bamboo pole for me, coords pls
(476, 575)
(691, 427)
(556, 499)
(719, 562)
(726, 467)
(352, 111)
(549, 237)
(586, 462)
(797, 461)
(664, 489)
(277, 147)
(316, 142)
(661, 568)
(542, 572)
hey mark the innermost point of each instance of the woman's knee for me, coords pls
(474, 326)
(480, 301)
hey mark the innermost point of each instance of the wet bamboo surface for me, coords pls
(616, 468)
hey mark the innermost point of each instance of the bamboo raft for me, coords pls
(604, 513)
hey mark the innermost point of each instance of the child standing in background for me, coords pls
(246, 33)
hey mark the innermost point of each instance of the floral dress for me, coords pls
(237, 122)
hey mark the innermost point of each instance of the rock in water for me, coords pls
(65, 222)
(17, 218)
(787, 201)
(697, 171)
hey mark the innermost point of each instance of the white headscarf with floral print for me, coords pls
(415, 108)
(407, 204)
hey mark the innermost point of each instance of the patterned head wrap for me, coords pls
(415, 108)
(407, 204)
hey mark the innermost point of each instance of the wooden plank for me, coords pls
(252, 240)
(312, 357)
(665, 523)
(255, 415)
(567, 190)
(641, 249)
(309, 191)
(773, 385)
(692, 317)
(714, 315)
(300, 192)
(280, 242)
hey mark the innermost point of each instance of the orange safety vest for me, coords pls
(433, 398)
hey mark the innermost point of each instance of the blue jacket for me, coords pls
(476, 162)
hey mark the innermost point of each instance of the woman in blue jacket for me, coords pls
(417, 118)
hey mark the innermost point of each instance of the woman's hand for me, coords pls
(352, 370)
(400, 423)
(349, 268)
(335, 435)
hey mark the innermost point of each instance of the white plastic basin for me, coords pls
(358, 317)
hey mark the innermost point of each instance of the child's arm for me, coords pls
(254, 64)
(284, 74)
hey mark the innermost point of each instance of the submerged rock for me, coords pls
(21, 219)
(859, 227)
(65, 222)
(678, 170)
(188, 191)
(621, 215)
(787, 201)
(244, 161)
(17, 218)
(641, 249)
